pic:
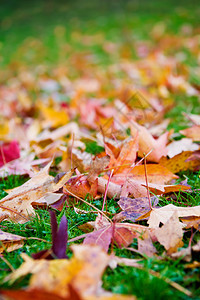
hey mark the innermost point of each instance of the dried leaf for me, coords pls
(97, 166)
(192, 132)
(10, 242)
(180, 162)
(17, 205)
(170, 234)
(163, 214)
(147, 143)
(134, 208)
(83, 272)
(145, 245)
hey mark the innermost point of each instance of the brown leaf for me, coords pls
(147, 143)
(37, 294)
(177, 147)
(17, 205)
(101, 237)
(121, 233)
(170, 234)
(180, 162)
(83, 272)
(134, 208)
(192, 132)
(145, 245)
(191, 221)
(122, 157)
(10, 242)
(156, 173)
(163, 214)
(81, 187)
(114, 190)
(97, 166)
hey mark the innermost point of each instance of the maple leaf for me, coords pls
(148, 144)
(37, 294)
(53, 117)
(114, 190)
(17, 205)
(81, 187)
(163, 214)
(177, 147)
(105, 232)
(22, 166)
(192, 132)
(145, 245)
(134, 208)
(59, 240)
(187, 160)
(97, 166)
(60, 132)
(83, 271)
(9, 152)
(10, 242)
(170, 234)
(124, 155)
(156, 173)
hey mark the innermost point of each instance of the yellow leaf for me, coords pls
(54, 117)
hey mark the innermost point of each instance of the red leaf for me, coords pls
(8, 152)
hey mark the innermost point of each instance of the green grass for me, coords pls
(125, 280)
(39, 32)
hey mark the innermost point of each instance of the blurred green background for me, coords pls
(35, 32)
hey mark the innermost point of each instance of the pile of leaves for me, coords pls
(95, 135)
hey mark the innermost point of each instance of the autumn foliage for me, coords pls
(99, 134)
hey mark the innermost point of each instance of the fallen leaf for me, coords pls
(53, 117)
(83, 271)
(145, 245)
(17, 205)
(10, 242)
(191, 221)
(156, 173)
(147, 143)
(163, 214)
(9, 152)
(177, 147)
(180, 162)
(97, 166)
(37, 294)
(22, 166)
(80, 187)
(170, 234)
(114, 190)
(134, 208)
(192, 132)
(192, 117)
(105, 232)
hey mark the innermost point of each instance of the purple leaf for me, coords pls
(59, 240)
(59, 236)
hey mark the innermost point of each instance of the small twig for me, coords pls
(172, 283)
(132, 167)
(78, 238)
(35, 238)
(105, 194)
(7, 262)
(148, 194)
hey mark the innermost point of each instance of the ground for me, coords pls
(114, 47)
